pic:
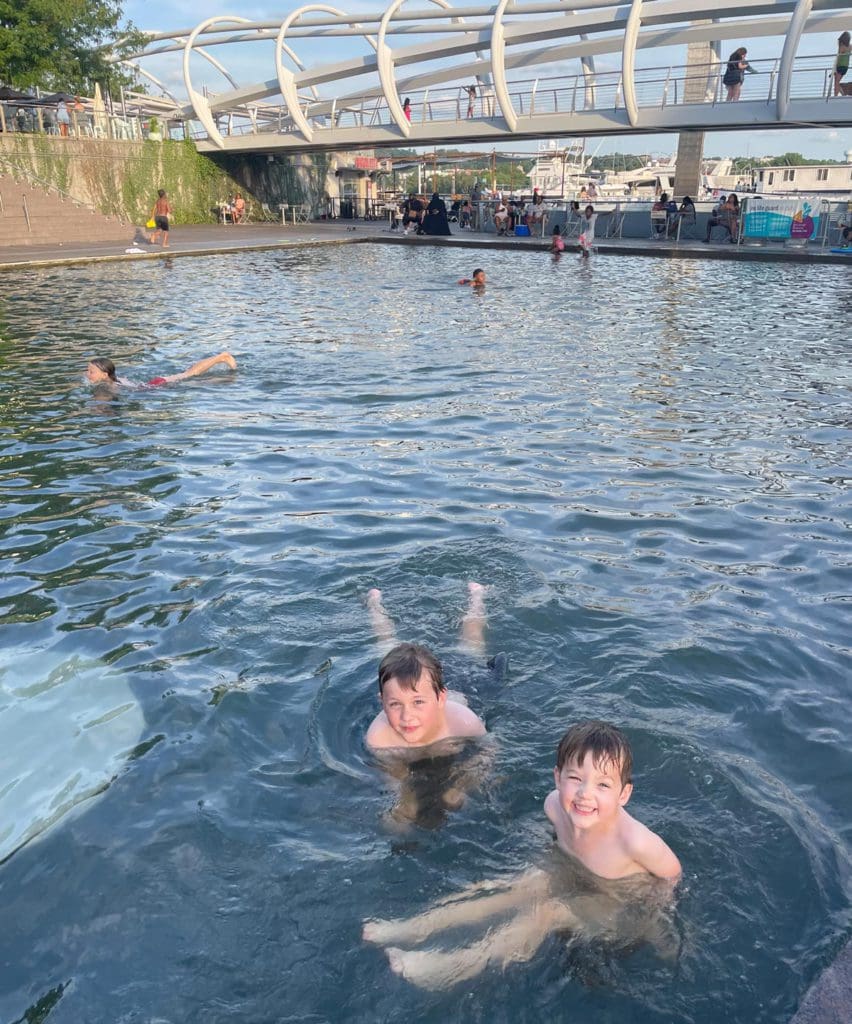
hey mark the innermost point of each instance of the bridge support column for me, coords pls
(690, 149)
(698, 86)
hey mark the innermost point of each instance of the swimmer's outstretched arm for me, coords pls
(203, 365)
(383, 625)
(473, 623)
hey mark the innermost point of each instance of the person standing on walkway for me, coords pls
(587, 235)
(471, 99)
(63, 118)
(161, 212)
(842, 65)
(406, 108)
(735, 73)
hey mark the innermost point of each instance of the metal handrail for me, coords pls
(657, 87)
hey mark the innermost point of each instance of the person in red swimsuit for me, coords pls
(102, 371)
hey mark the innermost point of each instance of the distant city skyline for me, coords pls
(248, 66)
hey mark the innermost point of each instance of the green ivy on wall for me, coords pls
(121, 178)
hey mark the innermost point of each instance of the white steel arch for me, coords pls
(537, 59)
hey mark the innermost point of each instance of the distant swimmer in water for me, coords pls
(102, 371)
(477, 279)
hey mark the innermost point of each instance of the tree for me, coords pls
(64, 44)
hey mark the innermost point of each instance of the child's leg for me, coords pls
(382, 625)
(516, 942)
(473, 623)
(463, 908)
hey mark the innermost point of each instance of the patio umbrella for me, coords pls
(7, 94)
(99, 110)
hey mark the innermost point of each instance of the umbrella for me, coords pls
(12, 94)
(99, 109)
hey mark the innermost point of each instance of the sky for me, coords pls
(254, 62)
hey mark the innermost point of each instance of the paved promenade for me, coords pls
(208, 239)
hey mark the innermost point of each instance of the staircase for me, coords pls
(30, 215)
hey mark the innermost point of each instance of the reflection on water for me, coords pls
(643, 460)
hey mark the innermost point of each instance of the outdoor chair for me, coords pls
(301, 213)
(834, 235)
(267, 214)
(573, 224)
(686, 226)
(659, 223)
(614, 222)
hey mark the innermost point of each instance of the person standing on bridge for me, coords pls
(735, 73)
(842, 65)
(471, 99)
(406, 108)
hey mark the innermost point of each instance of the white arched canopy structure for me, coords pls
(537, 59)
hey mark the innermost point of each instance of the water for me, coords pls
(646, 461)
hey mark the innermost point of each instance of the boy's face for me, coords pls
(416, 716)
(591, 794)
(479, 278)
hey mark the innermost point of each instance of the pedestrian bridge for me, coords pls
(538, 69)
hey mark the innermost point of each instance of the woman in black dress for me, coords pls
(435, 222)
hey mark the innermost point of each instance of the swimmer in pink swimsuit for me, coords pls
(102, 371)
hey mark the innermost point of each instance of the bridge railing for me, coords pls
(656, 88)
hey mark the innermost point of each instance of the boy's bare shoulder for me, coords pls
(551, 805)
(461, 721)
(380, 735)
(648, 849)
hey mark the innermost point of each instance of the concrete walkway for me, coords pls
(208, 239)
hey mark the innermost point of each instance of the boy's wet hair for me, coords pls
(405, 664)
(606, 743)
(107, 365)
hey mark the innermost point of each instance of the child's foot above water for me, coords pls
(476, 600)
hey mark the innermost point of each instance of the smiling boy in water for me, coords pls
(417, 709)
(615, 883)
(593, 777)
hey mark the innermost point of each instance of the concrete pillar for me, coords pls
(698, 87)
(690, 149)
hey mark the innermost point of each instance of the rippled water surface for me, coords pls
(647, 463)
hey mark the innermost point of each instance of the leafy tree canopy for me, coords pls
(63, 44)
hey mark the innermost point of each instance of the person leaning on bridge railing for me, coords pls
(842, 66)
(735, 73)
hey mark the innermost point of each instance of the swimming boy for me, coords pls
(419, 735)
(615, 865)
(417, 709)
(102, 371)
(476, 280)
